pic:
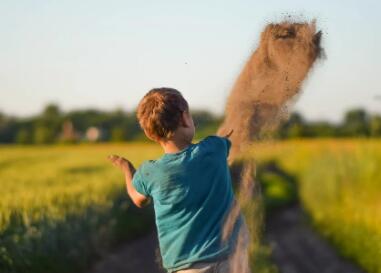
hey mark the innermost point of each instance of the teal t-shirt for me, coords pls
(192, 194)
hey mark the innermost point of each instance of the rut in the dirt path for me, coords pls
(137, 256)
(298, 249)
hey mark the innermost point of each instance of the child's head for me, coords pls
(163, 114)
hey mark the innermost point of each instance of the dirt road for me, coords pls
(138, 256)
(298, 249)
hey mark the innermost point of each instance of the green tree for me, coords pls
(294, 127)
(24, 136)
(48, 125)
(43, 135)
(356, 123)
(118, 134)
(375, 126)
(51, 111)
(321, 129)
(8, 129)
(205, 122)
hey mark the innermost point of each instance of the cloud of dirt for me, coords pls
(262, 95)
(270, 81)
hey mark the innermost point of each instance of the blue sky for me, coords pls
(107, 54)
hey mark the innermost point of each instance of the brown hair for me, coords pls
(159, 112)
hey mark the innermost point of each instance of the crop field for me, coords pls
(339, 185)
(63, 206)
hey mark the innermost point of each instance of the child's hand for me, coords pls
(229, 134)
(128, 169)
(124, 164)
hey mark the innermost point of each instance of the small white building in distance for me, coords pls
(93, 134)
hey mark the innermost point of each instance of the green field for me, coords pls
(62, 206)
(339, 184)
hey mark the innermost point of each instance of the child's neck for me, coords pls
(175, 145)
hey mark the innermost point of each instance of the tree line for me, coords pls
(53, 125)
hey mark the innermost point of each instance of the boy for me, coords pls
(190, 186)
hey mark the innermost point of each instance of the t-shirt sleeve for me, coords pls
(139, 183)
(220, 143)
(227, 144)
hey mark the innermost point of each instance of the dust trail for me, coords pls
(264, 91)
(270, 79)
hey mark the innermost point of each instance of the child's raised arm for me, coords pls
(128, 169)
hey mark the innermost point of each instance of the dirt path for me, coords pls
(298, 249)
(138, 256)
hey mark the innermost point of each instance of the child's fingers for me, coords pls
(229, 134)
(111, 157)
(114, 158)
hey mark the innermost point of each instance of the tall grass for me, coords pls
(342, 193)
(340, 187)
(61, 207)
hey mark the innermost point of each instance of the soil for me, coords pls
(137, 256)
(297, 248)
